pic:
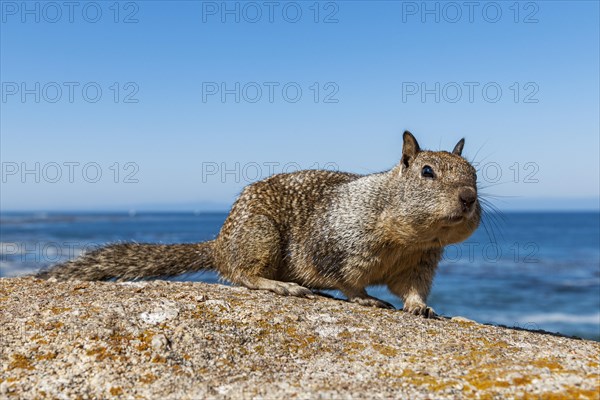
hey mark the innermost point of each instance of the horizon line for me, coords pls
(226, 211)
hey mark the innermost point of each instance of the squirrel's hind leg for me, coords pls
(253, 257)
(282, 288)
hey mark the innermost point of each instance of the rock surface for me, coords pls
(179, 340)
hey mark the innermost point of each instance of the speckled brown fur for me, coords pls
(309, 230)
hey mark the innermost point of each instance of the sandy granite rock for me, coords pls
(182, 340)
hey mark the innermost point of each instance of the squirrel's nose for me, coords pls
(467, 197)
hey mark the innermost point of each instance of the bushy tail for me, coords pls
(128, 261)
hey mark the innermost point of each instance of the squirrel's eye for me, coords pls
(427, 172)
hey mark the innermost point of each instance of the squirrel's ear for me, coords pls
(410, 148)
(459, 147)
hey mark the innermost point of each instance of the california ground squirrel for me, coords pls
(314, 229)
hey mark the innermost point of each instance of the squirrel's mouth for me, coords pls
(454, 219)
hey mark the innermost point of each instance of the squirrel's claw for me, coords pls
(421, 310)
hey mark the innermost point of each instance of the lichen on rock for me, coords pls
(179, 340)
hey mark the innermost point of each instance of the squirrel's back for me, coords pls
(289, 198)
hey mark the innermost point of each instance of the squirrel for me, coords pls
(293, 233)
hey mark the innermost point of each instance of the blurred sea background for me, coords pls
(530, 270)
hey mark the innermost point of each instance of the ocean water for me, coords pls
(529, 270)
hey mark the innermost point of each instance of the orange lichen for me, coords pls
(521, 381)
(116, 391)
(568, 393)
(46, 356)
(146, 340)
(486, 378)
(100, 353)
(345, 334)
(59, 310)
(386, 350)
(353, 347)
(148, 378)
(159, 359)
(20, 361)
(420, 378)
(53, 325)
(551, 364)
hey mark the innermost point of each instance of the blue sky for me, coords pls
(163, 137)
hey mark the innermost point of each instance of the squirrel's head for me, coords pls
(437, 194)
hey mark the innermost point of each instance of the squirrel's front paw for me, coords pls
(420, 309)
